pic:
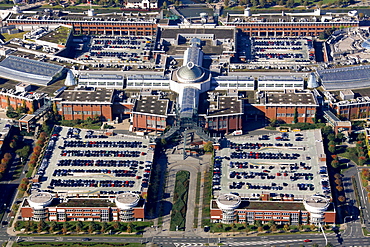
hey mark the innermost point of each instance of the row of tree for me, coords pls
(37, 150)
(70, 226)
(5, 162)
(259, 226)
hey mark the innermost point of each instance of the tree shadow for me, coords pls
(166, 208)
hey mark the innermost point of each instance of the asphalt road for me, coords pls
(352, 204)
(278, 241)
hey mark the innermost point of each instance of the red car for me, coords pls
(307, 240)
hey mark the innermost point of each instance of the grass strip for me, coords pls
(180, 199)
(196, 209)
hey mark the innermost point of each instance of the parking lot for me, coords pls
(299, 50)
(119, 48)
(92, 162)
(284, 165)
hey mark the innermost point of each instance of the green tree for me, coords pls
(340, 137)
(335, 164)
(273, 228)
(65, 228)
(163, 142)
(226, 3)
(52, 226)
(258, 223)
(40, 226)
(91, 227)
(273, 123)
(208, 147)
(341, 199)
(286, 227)
(103, 227)
(46, 127)
(129, 228)
(13, 144)
(326, 130)
(295, 119)
(290, 3)
(361, 160)
(332, 147)
(331, 137)
(339, 188)
(78, 226)
(116, 225)
(164, 5)
(220, 226)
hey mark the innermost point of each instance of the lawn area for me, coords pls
(7, 37)
(70, 244)
(180, 199)
(349, 153)
(86, 124)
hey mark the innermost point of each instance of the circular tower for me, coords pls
(228, 203)
(316, 205)
(39, 201)
(125, 202)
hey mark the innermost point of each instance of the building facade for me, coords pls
(286, 106)
(37, 208)
(17, 98)
(151, 113)
(85, 103)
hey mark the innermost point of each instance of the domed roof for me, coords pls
(190, 72)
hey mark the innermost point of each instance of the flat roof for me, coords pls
(287, 178)
(225, 105)
(53, 16)
(81, 95)
(290, 97)
(91, 163)
(279, 78)
(104, 77)
(152, 105)
(40, 197)
(219, 33)
(286, 205)
(87, 203)
(57, 36)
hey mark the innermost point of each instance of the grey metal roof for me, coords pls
(345, 78)
(27, 70)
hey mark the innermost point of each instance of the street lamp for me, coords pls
(326, 240)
